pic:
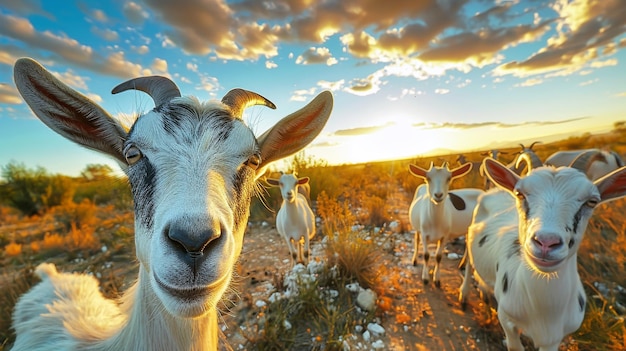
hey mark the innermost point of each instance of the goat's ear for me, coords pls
(303, 180)
(296, 131)
(613, 185)
(68, 112)
(461, 170)
(417, 171)
(272, 181)
(500, 174)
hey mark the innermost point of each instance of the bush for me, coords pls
(33, 192)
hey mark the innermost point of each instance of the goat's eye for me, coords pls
(592, 203)
(132, 154)
(253, 162)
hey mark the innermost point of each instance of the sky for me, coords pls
(409, 78)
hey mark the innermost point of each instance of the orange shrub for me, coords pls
(83, 239)
(13, 249)
(52, 241)
(35, 246)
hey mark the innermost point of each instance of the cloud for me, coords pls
(25, 7)
(360, 130)
(316, 56)
(134, 12)
(302, 94)
(106, 34)
(465, 126)
(99, 16)
(9, 95)
(332, 86)
(582, 28)
(159, 65)
(66, 49)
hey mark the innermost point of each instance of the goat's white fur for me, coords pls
(432, 214)
(192, 168)
(295, 220)
(609, 161)
(523, 245)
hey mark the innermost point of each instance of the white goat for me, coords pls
(295, 220)
(523, 245)
(439, 214)
(192, 168)
(606, 164)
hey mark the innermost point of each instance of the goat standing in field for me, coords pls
(603, 165)
(295, 220)
(523, 245)
(192, 168)
(438, 214)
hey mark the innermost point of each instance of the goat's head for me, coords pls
(288, 184)
(192, 168)
(438, 179)
(554, 207)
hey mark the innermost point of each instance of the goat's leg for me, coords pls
(293, 251)
(425, 272)
(307, 250)
(513, 341)
(465, 287)
(438, 255)
(416, 244)
(301, 258)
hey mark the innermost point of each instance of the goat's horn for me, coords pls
(161, 89)
(532, 160)
(239, 99)
(585, 159)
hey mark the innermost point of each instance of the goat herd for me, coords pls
(193, 167)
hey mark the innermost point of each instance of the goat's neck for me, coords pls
(291, 208)
(151, 327)
(436, 210)
(552, 292)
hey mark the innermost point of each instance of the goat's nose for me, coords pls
(193, 241)
(547, 243)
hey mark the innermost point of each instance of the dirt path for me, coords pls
(420, 317)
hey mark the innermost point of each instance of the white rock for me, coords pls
(345, 346)
(453, 256)
(275, 297)
(286, 324)
(353, 287)
(378, 344)
(367, 300)
(376, 329)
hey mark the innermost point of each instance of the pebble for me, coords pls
(376, 329)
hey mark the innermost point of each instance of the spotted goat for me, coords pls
(523, 244)
(192, 168)
(439, 214)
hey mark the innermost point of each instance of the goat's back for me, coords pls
(63, 303)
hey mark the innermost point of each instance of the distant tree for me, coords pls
(96, 172)
(34, 191)
(100, 185)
